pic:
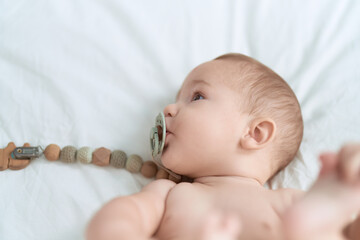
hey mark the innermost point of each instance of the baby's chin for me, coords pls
(167, 160)
(173, 162)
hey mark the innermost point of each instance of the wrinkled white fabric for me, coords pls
(96, 73)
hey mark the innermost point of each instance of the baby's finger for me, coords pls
(349, 163)
(329, 162)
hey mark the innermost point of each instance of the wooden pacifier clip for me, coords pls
(16, 158)
(8, 160)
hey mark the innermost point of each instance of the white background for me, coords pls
(96, 73)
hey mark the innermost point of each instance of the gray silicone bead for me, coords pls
(118, 159)
(68, 154)
(134, 163)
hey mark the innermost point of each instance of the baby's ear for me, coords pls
(259, 133)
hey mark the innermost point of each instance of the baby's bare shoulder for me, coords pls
(182, 188)
(159, 187)
(183, 192)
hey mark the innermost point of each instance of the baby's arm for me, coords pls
(131, 217)
(324, 211)
(346, 164)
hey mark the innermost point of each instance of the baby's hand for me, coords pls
(331, 202)
(349, 163)
(345, 163)
(220, 226)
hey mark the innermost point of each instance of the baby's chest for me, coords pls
(188, 208)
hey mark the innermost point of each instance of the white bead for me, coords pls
(84, 155)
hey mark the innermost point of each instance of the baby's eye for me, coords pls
(197, 96)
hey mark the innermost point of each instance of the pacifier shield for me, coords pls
(157, 142)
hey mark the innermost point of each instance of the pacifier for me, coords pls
(157, 142)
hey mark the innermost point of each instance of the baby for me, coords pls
(234, 125)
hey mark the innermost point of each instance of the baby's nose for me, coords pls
(170, 110)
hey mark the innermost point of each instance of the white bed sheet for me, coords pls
(96, 73)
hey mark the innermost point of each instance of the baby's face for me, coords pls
(205, 123)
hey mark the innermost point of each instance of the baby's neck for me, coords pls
(215, 180)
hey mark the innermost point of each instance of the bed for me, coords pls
(96, 73)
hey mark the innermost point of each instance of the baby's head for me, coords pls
(233, 116)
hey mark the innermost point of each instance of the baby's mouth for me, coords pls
(160, 132)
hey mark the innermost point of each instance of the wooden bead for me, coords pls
(68, 154)
(5, 156)
(84, 155)
(101, 156)
(148, 169)
(162, 174)
(134, 163)
(118, 159)
(17, 164)
(52, 152)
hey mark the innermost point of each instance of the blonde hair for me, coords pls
(265, 93)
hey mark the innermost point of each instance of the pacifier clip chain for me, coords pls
(16, 158)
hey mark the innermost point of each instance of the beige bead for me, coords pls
(52, 152)
(84, 155)
(118, 159)
(134, 163)
(101, 156)
(162, 174)
(148, 169)
(68, 154)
